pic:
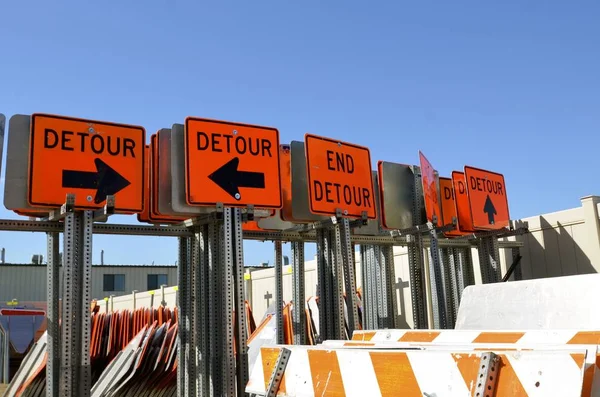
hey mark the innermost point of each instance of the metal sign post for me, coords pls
(75, 373)
(299, 314)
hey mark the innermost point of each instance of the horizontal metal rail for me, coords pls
(12, 225)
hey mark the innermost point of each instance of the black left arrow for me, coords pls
(489, 208)
(230, 179)
(105, 180)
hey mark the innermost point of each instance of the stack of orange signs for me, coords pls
(130, 352)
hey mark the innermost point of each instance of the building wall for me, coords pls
(28, 282)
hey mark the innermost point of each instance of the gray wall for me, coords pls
(28, 282)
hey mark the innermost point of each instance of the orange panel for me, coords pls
(339, 177)
(448, 206)
(230, 163)
(432, 205)
(91, 159)
(487, 199)
(143, 216)
(463, 209)
(285, 165)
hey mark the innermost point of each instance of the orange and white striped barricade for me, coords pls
(558, 336)
(322, 371)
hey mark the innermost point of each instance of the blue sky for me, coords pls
(508, 86)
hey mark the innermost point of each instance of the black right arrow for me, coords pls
(489, 208)
(105, 180)
(230, 179)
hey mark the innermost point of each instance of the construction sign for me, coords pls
(90, 159)
(339, 178)
(487, 199)
(461, 198)
(448, 205)
(430, 193)
(231, 163)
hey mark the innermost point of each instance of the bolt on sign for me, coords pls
(339, 178)
(231, 163)
(447, 199)
(487, 199)
(87, 158)
(461, 200)
(430, 193)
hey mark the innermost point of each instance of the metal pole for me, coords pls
(85, 299)
(299, 313)
(322, 331)
(279, 291)
(387, 253)
(53, 330)
(438, 298)
(241, 337)
(342, 233)
(197, 269)
(225, 269)
(75, 372)
(183, 298)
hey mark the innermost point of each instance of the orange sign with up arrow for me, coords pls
(91, 159)
(487, 199)
(231, 163)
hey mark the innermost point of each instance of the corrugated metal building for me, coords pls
(27, 282)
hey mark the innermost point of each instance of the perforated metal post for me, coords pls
(199, 324)
(446, 286)
(299, 314)
(75, 372)
(489, 259)
(438, 298)
(347, 257)
(462, 257)
(338, 284)
(454, 288)
(322, 281)
(225, 269)
(52, 320)
(387, 254)
(278, 371)
(416, 260)
(214, 314)
(365, 273)
(279, 290)
(372, 281)
(241, 337)
(487, 377)
(183, 297)
(329, 306)
(86, 292)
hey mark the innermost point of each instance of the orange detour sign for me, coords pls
(487, 198)
(461, 199)
(432, 205)
(230, 163)
(91, 159)
(448, 205)
(339, 177)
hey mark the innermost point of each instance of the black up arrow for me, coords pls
(230, 179)
(489, 208)
(105, 180)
